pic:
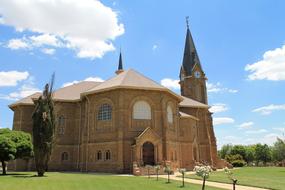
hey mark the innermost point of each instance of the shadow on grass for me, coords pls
(14, 174)
(19, 175)
(27, 176)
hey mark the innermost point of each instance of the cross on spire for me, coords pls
(187, 22)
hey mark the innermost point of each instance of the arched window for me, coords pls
(141, 110)
(169, 114)
(61, 124)
(108, 155)
(99, 155)
(64, 156)
(105, 112)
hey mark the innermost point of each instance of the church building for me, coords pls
(129, 121)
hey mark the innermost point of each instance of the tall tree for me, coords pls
(262, 153)
(249, 156)
(239, 149)
(43, 128)
(226, 150)
(278, 150)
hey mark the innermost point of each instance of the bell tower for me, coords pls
(192, 77)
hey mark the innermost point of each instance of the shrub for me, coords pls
(238, 163)
(236, 160)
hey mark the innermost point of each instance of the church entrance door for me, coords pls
(148, 153)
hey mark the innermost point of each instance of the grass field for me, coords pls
(76, 181)
(267, 177)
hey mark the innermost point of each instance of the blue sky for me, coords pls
(240, 45)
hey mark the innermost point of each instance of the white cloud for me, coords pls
(24, 91)
(88, 27)
(45, 39)
(270, 138)
(246, 125)
(154, 47)
(170, 83)
(27, 89)
(48, 51)
(222, 120)
(11, 78)
(94, 79)
(281, 129)
(271, 67)
(218, 107)
(256, 131)
(218, 88)
(267, 110)
(232, 91)
(17, 44)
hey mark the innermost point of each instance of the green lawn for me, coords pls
(267, 177)
(76, 181)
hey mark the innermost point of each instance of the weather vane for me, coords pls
(187, 21)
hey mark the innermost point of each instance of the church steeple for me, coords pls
(192, 77)
(190, 57)
(120, 66)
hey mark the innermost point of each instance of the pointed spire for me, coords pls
(190, 57)
(120, 66)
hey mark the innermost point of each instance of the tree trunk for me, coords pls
(204, 180)
(3, 167)
(234, 184)
(156, 175)
(40, 162)
(168, 180)
(183, 180)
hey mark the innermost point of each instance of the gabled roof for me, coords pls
(188, 102)
(130, 79)
(26, 101)
(185, 115)
(148, 130)
(67, 94)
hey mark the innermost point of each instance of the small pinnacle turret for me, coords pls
(120, 66)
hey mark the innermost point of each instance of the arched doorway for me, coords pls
(148, 153)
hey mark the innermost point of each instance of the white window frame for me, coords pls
(142, 110)
(104, 112)
(169, 112)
